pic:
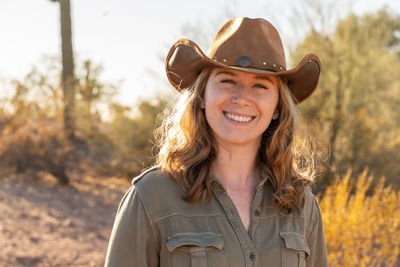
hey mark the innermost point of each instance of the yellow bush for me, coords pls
(361, 230)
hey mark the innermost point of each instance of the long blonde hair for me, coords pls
(187, 148)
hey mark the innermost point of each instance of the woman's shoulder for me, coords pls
(156, 182)
(159, 193)
(311, 209)
(309, 195)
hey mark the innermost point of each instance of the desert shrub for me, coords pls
(362, 225)
(32, 134)
(132, 137)
(35, 145)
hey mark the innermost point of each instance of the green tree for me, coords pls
(355, 109)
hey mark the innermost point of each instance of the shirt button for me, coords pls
(252, 256)
(257, 212)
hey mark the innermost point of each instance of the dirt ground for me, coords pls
(44, 224)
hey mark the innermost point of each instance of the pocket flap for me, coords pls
(203, 240)
(295, 241)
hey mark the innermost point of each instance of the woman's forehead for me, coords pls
(243, 74)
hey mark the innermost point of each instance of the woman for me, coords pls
(231, 184)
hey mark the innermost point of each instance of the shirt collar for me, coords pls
(264, 176)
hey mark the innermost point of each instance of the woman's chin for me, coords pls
(238, 140)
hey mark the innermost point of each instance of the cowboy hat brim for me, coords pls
(185, 60)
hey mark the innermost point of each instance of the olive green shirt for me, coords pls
(154, 226)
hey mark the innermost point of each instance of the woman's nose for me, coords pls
(241, 96)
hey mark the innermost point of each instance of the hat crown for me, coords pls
(256, 39)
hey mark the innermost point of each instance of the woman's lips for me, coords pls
(238, 117)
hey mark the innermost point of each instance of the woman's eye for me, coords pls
(228, 81)
(259, 85)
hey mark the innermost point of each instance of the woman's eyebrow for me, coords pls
(259, 77)
(225, 72)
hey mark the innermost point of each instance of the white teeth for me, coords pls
(238, 118)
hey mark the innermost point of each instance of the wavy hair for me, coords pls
(187, 148)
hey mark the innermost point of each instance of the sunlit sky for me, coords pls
(128, 37)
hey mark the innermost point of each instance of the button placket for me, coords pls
(256, 211)
(233, 216)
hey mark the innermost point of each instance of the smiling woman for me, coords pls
(239, 105)
(231, 186)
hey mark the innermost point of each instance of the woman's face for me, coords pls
(239, 105)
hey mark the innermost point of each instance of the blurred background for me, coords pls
(82, 87)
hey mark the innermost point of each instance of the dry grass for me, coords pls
(361, 230)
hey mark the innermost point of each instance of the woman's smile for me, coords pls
(238, 118)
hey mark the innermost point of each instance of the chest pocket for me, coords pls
(295, 249)
(197, 250)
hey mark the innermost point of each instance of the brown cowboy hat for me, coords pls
(251, 45)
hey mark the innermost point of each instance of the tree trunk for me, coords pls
(68, 79)
(337, 117)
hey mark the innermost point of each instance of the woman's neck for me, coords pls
(236, 167)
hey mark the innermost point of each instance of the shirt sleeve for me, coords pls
(316, 239)
(133, 240)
